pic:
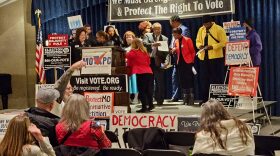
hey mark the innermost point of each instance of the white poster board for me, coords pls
(120, 109)
(98, 61)
(4, 122)
(237, 53)
(231, 24)
(75, 22)
(101, 104)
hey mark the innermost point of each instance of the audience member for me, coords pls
(76, 128)
(102, 39)
(138, 61)
(79, 42)
(221, 133)
(19, 139)
(90, 40)
(185, 61)
(144, 27)
(113, 35)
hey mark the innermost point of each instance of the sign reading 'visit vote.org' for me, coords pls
(137, 10)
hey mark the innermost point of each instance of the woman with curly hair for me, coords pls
(221, 133)
(144, 27)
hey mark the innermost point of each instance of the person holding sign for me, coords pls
(19, 139)
(152, 43)
(79, 42)
(138, 60)
(255, 43)
(185, 60)
(211, 39)
(220, 133)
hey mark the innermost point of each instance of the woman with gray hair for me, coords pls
(75, 127)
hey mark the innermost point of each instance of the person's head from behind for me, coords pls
(128, 37)
(88, 28)
(145, 27)
(177, 33)
(101, 37)
(207, 21)
(75, 111)
(175, 21)
(16, 136)
(46, 98)
(213, 112)
(80, 35)
(138, 45)
(157, 28)
(110, 30)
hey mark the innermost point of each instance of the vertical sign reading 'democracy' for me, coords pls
(243, 81)
(98, 61)
(101, 104)
(237, 53)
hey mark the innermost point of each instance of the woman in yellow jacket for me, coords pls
(212, 38)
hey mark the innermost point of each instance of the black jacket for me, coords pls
(45, 121)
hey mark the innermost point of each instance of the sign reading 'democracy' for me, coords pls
(99, 83)
(237, 34)
(188, 123)
(137, 10)
(120, 123)
(101, 104)
(231, 24)
(98, 61)
(57, 57)
(220, 93)
(58, 40)
(75, 22)
(237, 53)
(243, 81)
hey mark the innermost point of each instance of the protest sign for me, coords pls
(255, 128)
(57, 57)
(58, 40)
(188, 123)
(243, 81)
(231, 24)
(120, 109)
(101, 104)
(237, 34)
(98, 61)
(4, 122)
(75, 22)
(237, 53)
(220, 93)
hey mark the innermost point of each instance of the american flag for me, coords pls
(39, 52)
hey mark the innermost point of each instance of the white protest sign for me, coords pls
(232, 24)
(4, 122)
(98, 61)
(120, 123)
(75, 22)
(237, 53)
(101, 104)
(120, 109)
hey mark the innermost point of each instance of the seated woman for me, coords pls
(102, 39)
(83, 131)
(19, 139)
(113, 36)
(221, 133)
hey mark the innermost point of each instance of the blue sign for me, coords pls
(237, 34)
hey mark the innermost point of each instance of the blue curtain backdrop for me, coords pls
(94, 12)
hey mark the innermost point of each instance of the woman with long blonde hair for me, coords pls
(138, 60)
(20, 138)
(221, 133)
(75, 127)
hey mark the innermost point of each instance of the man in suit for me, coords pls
(150, 40)
(175, 22)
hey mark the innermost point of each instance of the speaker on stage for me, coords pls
(5, 88)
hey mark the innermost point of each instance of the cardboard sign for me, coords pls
(57, 57)
(231, 24)
(188, 123)
(237, 53)
(58, 40)
(98, 61)
(99, 83)
(237, 34)
(220, 93)
(120, 109)
(75, 22)
(120, 123)
(243, 81)
(4, 122)
(101, 104)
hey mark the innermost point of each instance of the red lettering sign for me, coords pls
(58, 40)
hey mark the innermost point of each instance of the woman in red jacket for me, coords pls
(185, 61)
(84, 132)
(138, 60)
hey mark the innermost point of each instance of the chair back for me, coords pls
(113, 137)
(180, 138)
(266, 144)
(118, 152)
(157, 152)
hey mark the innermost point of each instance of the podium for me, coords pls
(118, 68)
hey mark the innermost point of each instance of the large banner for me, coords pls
(99, 83)
(237, 53)
(220, 93)
(120, 123)
(57, 57)
(98, 61)
(243, 81)
(101, 104)
(137, 10)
